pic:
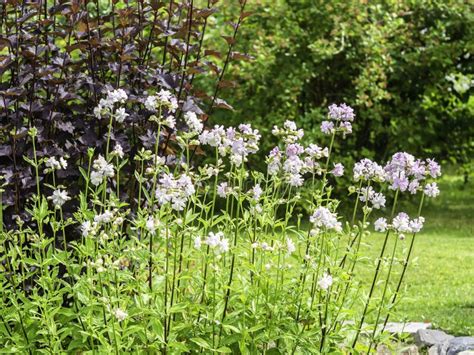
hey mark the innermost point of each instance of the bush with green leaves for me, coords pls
(406, 66)
(212, 257)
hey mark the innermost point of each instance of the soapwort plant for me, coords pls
(211, 256)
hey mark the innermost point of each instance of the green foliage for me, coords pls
(405, 60)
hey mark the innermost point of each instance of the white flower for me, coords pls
(256, 192)
(53, 164)
(197, 242)
(101, 169)
(401, 223)
(224, 245)
(295, 180)
(217, 241)
(96, 178)
(338, 170)
(322, 217)
(118, 151)
(120, 115)
(416, 224)
(223, 189)
(151, 225)
(170, 122)
(431, 190)
(290, 246)
(86, 228)
(325, 282)
(380, 225)
(120, 314)
(213, 239)
(63, 163)
(151, 102)
(194, 123)
(378, 200)
(59, 197)
(118, 95)
(105, 217)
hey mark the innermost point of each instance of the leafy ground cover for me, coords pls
(440, 283)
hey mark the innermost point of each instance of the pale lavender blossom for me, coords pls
(433, 168)
(294, 149)
(401, 223)
(256, 192)
(416, 224)
(323, 217)
(223, 189)
(342, 112)
(325, 281)
(431, 189)
(400, 183)
(295, 180)
(327, 127)
(338, 170)
(378, 200)
(367, 170)
(413, 186)
(316, 152)
(380, 225)
(346, 128)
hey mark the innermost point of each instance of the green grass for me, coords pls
(440, 281)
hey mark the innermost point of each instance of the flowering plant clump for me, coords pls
(209, 258)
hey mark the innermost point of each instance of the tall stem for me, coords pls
(405, 265)
(377, 270)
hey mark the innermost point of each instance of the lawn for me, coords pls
(440, 283)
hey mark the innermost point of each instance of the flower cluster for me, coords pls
(340, 117)
(404, 172)
(289, 133)
(102, 169)
(400, 224)
(295, 160)
(367, 170)
(238, 143)
(215, 241)
(174, 191)
(368, 194)
(106, 105)
(59, 198)
(53, 164)
(163, 98)
(194, 124)
(324, 218)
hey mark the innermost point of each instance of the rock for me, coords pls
(457, 345)
(410, 328)
(467, 352)
(383, 349)
(430, 337)
(409, 350)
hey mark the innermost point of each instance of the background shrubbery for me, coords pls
(406, 67)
